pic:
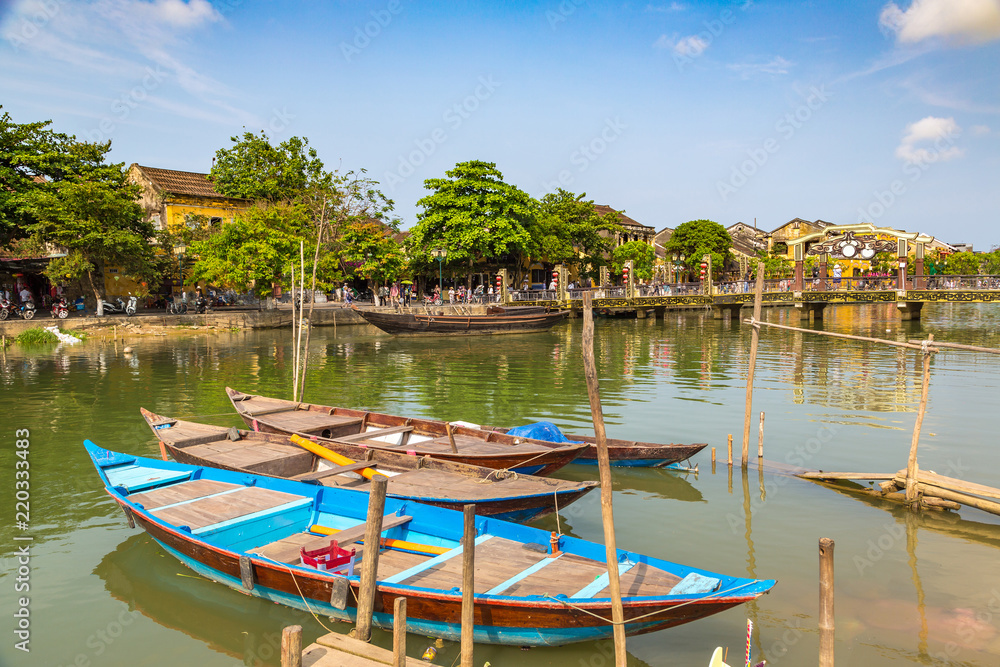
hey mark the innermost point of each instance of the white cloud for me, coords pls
(666, 9)
(930, 139)
(980, 130)
(776, 66)
(959, 21)
(690, 46)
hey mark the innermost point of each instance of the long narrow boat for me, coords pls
(249, 532)
(497, 320)
(506, 496)
(274, 415)
(419, 437)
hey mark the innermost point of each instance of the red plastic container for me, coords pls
(330, 559)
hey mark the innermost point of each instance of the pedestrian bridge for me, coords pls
(809, 302)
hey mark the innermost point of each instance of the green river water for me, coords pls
(910, 589)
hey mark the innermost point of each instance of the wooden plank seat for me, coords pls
(375, 433)
(176, 493)
(337, 470)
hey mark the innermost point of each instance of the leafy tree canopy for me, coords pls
(569, 231)
(371, 248)
(255, 169)
(255, 250)
(474, 215)
(642, 255)
(697, 238)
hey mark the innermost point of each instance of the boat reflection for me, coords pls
(246, 628)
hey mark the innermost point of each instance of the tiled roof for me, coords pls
(603, 210)
(181, 182)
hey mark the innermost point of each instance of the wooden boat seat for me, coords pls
(338, 470)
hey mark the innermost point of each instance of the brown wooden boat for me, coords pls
(501, 494)
(417, 437)
(497, 320)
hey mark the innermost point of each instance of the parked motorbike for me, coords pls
(201, 304)
(60, 308)
(7, 308)
(121, 306)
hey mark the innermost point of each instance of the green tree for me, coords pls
(371, 248)
(474, 215)
(253, 252)
(255, 169)
(697, 238)
(642, 255)
(990, 262)
(570, 231)
(91, 211)
(776, 265)
(962, 264)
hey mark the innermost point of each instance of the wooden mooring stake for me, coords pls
(399, 632)
(604, 470)
(760, 437)
(729, 442)
(291, 646)
(911, 463)
(369, 560)
(468, 583)
(826, 619)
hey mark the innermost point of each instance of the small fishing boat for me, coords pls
(417, 437)
(622, 453)
(508, 496)
(264, 536)
(497, 320)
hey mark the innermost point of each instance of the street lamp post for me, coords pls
(179, 250)
(440, 254)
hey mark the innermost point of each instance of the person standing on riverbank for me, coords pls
(836, 276)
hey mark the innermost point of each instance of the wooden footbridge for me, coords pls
(810, 303)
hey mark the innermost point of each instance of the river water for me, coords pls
(910, 589)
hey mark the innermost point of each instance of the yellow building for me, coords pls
(174, 200)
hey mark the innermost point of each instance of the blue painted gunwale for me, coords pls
(429, 525)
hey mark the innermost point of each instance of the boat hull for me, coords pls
(409, 324)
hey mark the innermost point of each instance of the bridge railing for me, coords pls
(962, 282)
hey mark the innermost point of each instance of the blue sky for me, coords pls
(672, 111)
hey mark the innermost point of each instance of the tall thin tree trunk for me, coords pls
(97, 294)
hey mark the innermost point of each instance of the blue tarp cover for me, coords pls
(545, 431)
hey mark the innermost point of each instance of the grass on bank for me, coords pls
(36, 336)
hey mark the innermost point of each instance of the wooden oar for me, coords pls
(386, 542)
(331, 456)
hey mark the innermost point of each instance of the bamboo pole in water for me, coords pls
(729, 443)
(302, 302)
(758, 296)
(760, 437)
(312, 298)
(911, 463)
(826, 618)
(295, 348)
(369, 561)
(468, 583)
(604, 470)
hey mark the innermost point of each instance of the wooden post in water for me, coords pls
(760, 437)
(369, 561)
(754, 340)
(713, 457)
(468, 583)
(399, 632)
(291, 646)
(826, 635)
(729, 442)
(295, 351)
(911, 463)
(604, 470)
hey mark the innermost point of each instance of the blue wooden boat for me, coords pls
(248, 532)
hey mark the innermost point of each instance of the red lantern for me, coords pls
(625, 273)
(555, 278)
(499, 281)
(704, 267)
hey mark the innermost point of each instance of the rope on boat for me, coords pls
(652, 613)
(301, 595)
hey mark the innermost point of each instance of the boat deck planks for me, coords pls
(177, 493)
(216, 509)
(336, 650)
(309, 420)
